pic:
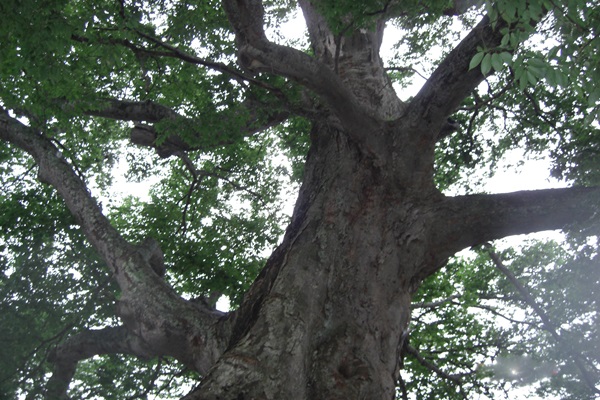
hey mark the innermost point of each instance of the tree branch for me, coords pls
(435, 304)
(251, 112)
(87, 344)
(429, 365)
(124, 110)
(471, 220)
(53, 169)
(146, 135)
(459, 7)
(176, 52)
(402, 386)
(452, 81)
(257, 54)
(194, 334)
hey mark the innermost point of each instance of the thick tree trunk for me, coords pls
(325, 319)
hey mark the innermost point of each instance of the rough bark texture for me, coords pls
(326, 317)
(342, 282)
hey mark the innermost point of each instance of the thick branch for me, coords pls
(53, 169)
(87, 344)
(131, 110)
(253, 113)
(192, 333)
(466, 221)
(255, 122)
(257, 54)
(452, 81)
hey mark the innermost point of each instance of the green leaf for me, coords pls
(538, 63)
(497, 62)
(506, 57)
(514, 39)
(551, 77)
(519, 69)
(594, 97)
(476, 60)
(537, 72)
(523, 82)
(531, 77)
(486, 64)
(561, 78)
(508, 11)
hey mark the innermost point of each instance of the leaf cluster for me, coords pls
(51, 282)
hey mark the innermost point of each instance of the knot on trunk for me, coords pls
(152, 253)
(249, 59)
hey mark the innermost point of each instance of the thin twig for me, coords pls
(402, 386)
(435, 304)
(217, 66)
(429, 365)
(405, 69)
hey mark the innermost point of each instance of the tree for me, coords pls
(124, 291)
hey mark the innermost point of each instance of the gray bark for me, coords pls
(87, 344)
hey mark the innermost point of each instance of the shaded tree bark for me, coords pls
(86, 344)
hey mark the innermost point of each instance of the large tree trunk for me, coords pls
(326, 317)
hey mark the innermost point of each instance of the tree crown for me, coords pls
(164, 88)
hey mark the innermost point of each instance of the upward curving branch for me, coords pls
(258, 54)
(452, 81)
